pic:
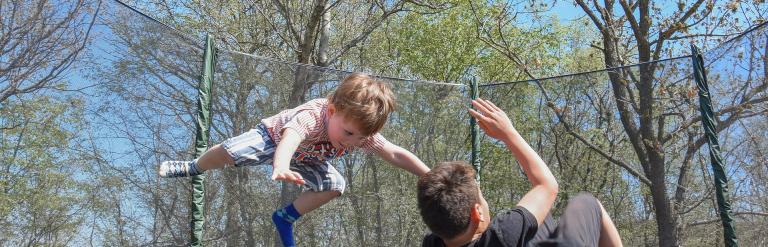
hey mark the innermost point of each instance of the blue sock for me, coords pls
(283, 219)
(194, 169)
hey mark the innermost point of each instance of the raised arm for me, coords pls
(399, 157)
(496, 124)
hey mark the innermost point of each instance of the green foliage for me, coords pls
(56, 179)
(444, 46)
(41, 199)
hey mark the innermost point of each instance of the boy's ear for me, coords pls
(331, 108)
(476, 215)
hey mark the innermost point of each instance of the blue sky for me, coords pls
(564, 10)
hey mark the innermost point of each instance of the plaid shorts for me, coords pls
(256, 147)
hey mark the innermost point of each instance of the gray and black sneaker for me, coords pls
(175, 168)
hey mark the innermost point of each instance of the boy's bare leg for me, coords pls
(310, 200)
(215, 158)
(609, 235)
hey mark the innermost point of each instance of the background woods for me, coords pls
(93, 95)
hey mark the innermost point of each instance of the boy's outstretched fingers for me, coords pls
(480, 105)
(485, 106)
(481, 120)
(491, 118)
(290, 176)
(491, 105)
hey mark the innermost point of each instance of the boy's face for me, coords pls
(342, 132)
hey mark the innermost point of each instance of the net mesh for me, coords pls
(133, 89)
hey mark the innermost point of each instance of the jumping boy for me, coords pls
(300, 143)
(453, 208)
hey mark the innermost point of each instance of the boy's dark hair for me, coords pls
(446, 196)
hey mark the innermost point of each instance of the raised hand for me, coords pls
(492, 119)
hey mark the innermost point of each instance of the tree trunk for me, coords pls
(231, 226)
(665, 222)
(379, 202)
(250, 239)
(358, 206)
(643, 139)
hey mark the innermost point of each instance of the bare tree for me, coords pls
(313, 43)
(297, 31)
(641, 112)
(40, 40)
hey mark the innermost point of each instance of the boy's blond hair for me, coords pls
(364, 100)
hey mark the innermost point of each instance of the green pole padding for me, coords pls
(201, 139)
(473, 131)
(708, 121)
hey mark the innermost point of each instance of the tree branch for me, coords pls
(726, 110)
(705, 222)
(607, 156)
(288, 20)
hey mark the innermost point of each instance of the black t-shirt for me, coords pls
(512, 228)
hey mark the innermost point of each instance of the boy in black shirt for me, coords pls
(453, 207)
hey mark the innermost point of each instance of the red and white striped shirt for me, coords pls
(309, 120)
